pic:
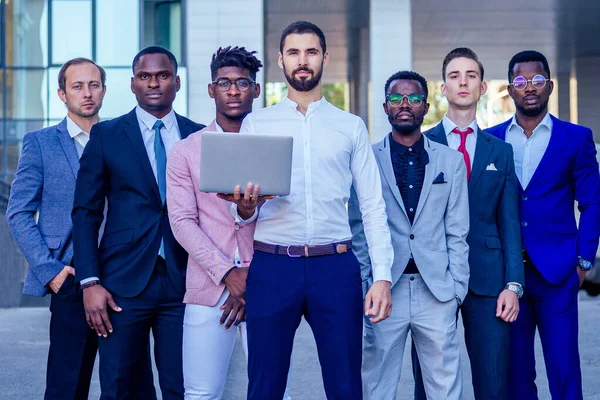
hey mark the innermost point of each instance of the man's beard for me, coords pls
(85, 114)
(532, 112)
(307, 84)
(405, 129)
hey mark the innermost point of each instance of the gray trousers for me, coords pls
(432, 325)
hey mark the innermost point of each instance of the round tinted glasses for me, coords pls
(396, 99)
(537, 82)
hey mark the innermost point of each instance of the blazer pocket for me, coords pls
(53, 242)
(562, 227)
(116, 238)
(493, 242)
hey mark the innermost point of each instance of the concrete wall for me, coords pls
(211, 24)
(391, 51)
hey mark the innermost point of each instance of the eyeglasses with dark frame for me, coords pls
(396, 99)
(537, 82)
(242, 84)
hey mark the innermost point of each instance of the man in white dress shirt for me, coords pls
(303, 264)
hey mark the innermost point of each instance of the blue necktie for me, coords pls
(161, 169)
(161, 160)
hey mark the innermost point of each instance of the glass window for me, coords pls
(71, 30)
(117, 32)
(25, 93)
(163, 26)
(26, 33)
(118, 99)
(14, 131)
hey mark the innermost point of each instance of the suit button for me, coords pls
(412, 237)
(524, 223)
(524, 198)
(163, 211)
(412, 278)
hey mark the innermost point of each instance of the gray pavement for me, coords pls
(24, 346)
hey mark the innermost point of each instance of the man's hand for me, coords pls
(581, 275)
(235, 310)
(95, 299)
(507, 306)
(236, 283)
(246, 203)
(57, 282)
(378, 302)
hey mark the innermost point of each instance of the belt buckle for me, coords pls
(287, 250)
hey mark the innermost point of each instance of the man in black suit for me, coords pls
(495, 256)
(135, 281)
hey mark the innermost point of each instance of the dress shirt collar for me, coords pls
(448, 125)
(74, 129)
(148, 119)
(546, 122)
(311, 107)
(401, 149)
(218, 127)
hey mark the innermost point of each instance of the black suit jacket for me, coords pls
(115, 166)
(495, 249)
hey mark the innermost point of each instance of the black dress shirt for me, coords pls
(409, 168)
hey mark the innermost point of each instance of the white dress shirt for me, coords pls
(454, 138)
(331, 152)
(77, 133)
(528, 152)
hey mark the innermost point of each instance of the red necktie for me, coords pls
(463, 147)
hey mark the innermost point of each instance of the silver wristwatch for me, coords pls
(515, 287)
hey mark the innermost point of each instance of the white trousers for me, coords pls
(207, 349)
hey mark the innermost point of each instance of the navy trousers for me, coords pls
(124, 353)
(73, 346)
(552, 309)
(488, 339)
(327, 291)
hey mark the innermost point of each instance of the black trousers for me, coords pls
(73, 346)
(158, 309)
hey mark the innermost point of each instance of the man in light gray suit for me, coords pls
(425, 190)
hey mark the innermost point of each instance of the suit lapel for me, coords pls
(68, 146)
(430, 169)
(385, 160)
(185, 128)
(552, 153)
(483, 150)
(133, 133)
(438, 134)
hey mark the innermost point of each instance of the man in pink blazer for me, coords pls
(220, 247)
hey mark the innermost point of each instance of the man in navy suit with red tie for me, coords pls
(555, 163)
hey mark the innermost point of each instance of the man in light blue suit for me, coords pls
(425, 190)
(555, 162)
(45, 184)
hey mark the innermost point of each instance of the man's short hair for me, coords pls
(300, 28)
(407, 76)
(62, 74)
(154, 50)
(527, 56)
(459, 52)
(235, 57)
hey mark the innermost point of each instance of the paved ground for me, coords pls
(24, 346)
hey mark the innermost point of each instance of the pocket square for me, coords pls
(491, 167)
(439, 179)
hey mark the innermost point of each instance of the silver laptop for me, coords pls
(230, 159)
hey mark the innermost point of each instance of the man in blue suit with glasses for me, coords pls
(556, 166)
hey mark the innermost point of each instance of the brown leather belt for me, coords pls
(305, 250)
